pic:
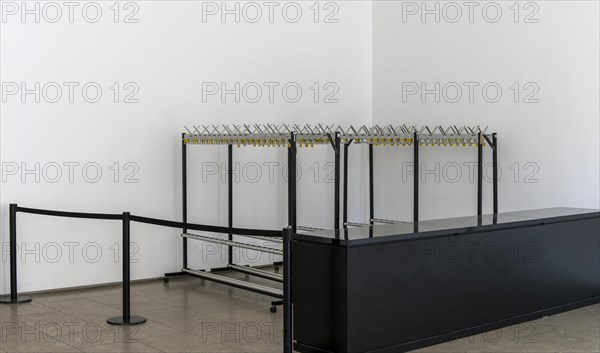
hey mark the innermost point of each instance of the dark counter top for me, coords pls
(446, 226)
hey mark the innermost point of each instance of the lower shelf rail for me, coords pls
(257, 288)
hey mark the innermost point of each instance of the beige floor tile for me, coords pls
(24, 309)
(246, 337)
(589, 347)
(98, 314)
(136, 301)
(216, 307)
(158, 291)
(45, 298)
(580, 326)
(253, 314)
(94, 334)
(194, 323)
(73, 304)
(194, 296)
(149, 329)
(222, 332)
(185, 342)
(5, 319)
(264, 344)
(33, 342)
(120, 348)
(48, 319)
(169, 314)
(100, 291)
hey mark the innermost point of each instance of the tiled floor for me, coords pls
(190, 315)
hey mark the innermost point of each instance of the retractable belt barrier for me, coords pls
(126, 218)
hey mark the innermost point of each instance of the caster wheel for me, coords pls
(273, 309)
(276, 269)
(166, 280)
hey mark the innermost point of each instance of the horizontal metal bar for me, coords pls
(232, 243)
(270, 239)
(387, 221)
(353, 224)
(257, 288)
(308, 228)
(262, 233)
(281, 140)
(206, 228)
(321, 138)
(69, 214)
(256, 272)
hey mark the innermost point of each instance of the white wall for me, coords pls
(555, 138)
(167, 55)
(368, 53)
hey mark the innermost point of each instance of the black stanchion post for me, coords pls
(479, 175)
(126, 319)
(371, 186)
(416, 180)
(495, 170)
(292, 182)
(230, 201)
(336, 204)
(184, 195)
(371, 191)
(287, 290)
(13, 298)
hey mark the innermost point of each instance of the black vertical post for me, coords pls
(126, 319)
(371, 186)
(495, 171)
(345, 196)
(230, 201)
(479, 175)
(416, 178)
(184, 195)
(292, 181)
(13, 298)
(287, 290)
(336, 213)
(12, 209)
(126, 267)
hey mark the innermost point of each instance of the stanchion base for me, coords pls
(5, 299)
(133, 320)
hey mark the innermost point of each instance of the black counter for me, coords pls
(396, 287)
